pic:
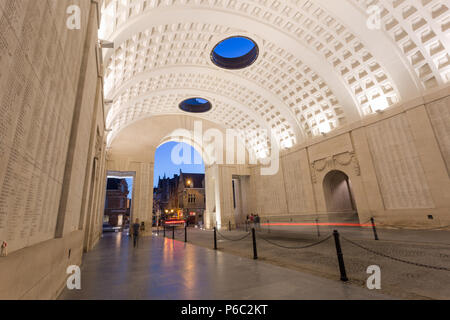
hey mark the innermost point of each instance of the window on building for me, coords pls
(191, 198)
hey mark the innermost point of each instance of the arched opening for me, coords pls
(179, 185)
(339, 196)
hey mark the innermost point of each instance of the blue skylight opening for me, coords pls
(236, 52)
(195, 105)
(234, 47)
(197, 101)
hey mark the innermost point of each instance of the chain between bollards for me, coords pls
(215, 238)
(374, 228)
(255, 252)
(340, 256)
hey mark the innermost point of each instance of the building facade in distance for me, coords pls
(191, 196)
(181, 197)
(117, 204)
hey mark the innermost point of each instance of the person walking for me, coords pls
(258, 221)
(135, 229)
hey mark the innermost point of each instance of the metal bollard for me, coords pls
(318, 229)
(164, 226)
(374, 228)
(173, 232)
(255, 252)
(246, 226)
(268, 226)
(185, 233)
(340, 256)
(215, 238)
(229, 225)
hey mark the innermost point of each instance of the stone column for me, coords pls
(142, 203)
(143, 195)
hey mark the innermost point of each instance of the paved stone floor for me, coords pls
(401, 280)
(166, 269)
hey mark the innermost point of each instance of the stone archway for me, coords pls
(339, 196)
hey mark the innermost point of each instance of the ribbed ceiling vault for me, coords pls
(319, 65)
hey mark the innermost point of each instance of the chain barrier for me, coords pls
(296, 248)
(409, 229)
(229, 239)
(395, 259)
(405, 228)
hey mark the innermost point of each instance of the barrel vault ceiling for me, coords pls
(319, 66)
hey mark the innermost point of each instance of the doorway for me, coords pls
(339, 195)
(118, 202)
(240, 186)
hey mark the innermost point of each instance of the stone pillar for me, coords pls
(143, 195)
(210, 193)
(219, 194)
(142, 203)
(77, 152)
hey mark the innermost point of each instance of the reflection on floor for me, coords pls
(166, 269)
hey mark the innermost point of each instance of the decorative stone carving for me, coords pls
(318, 165)
(347, 158)
(342, 159)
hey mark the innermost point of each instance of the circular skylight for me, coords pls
(235, 53)
(195, 105)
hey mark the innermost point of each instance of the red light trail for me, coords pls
(174, 222)
(318, 224)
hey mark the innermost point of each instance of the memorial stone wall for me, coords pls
(40, 63)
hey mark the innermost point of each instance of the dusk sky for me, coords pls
(164, 165)
(234, 47)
